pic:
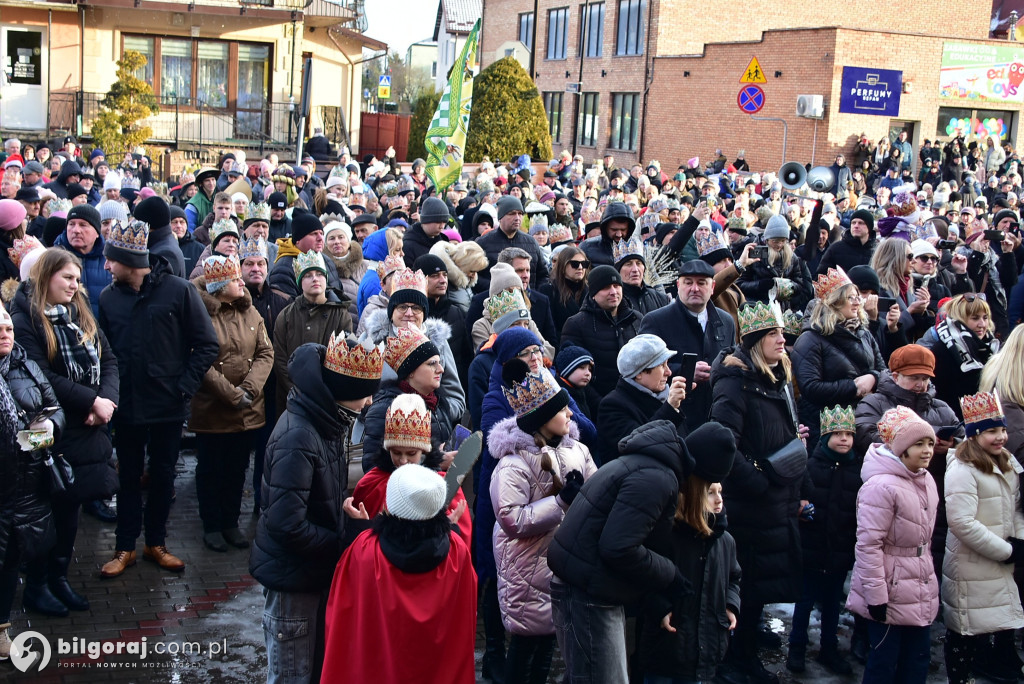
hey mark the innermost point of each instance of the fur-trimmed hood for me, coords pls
(378, 326)
(457, 279)
(506, 438)
(353, 264)
(214, 305)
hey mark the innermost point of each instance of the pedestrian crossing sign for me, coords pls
(384, 86)
(753, 73)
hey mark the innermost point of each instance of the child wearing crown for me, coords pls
(541, 467)
(984, 542)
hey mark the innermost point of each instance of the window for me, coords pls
(252, 86)
(175, 69)
(433, 69)
(630, 39)
(145, 47)
(587, 135)
(450, 50)
(526, 30)
(558, 28)
(553, 106)
(974, 124)
(213, 74)
(591, 29)
(624, 120)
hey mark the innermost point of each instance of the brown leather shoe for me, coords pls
(162, 557)
(118, 564)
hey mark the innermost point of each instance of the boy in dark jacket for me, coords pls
(828, 534)
(574, 371)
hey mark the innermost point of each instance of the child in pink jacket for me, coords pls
(894, 583)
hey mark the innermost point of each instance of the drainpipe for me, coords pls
(49, 67)
(648, 62)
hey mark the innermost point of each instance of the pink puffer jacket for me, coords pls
(895, 518)
(527, 517)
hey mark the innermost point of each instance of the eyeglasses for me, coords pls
(579, 264)
(436, 365)
(531, 351)
(855, 298)
(405, 308)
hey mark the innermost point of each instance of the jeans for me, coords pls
(591, 636)
(529, 659)
(293, 628)
(899, 654)
(162, 441)
(222, 460)
(825, 588)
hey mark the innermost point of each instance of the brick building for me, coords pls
(692, 57)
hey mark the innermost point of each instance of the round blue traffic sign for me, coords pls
(750, 99)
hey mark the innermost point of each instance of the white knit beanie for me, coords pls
(415, 493)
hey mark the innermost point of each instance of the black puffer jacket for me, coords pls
(702, 626)
(759, 278)
(644, 298)
(416, 243)
(831, 484)
(847, 253)
(86, 447)
(601, 545)
(603, 336)
(164, 342)
(24, 482)
(461, 342)
(300, 534)
(376, 414)
(825, 367)
(762, 515)
(625, 409)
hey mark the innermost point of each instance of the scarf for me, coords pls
(964, 344)
(660, 396)
(852, 324)
(429, 399)
(8, 411)
(79, 355)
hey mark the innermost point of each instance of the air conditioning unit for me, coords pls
(810, 106)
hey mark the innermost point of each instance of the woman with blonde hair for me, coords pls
(891, 262)
(1004, 375)
(464, 261)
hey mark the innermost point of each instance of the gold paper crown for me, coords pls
(560, 233)
(357, 361)
(58, 204)
(397, 347)
(760, 316)
(829, 282)
(709, 244)
(221, 228)
(221, 269)
(893, 421)
(258, 211)
(793, 323)
(407, 279)
(623, 249)
(407, 423)
(838, 419)
(498, 305)
(657, 205)
(406, 184)
(390, 189)
(23, 246)
(390, 264)
(532, 393)
(252, 248)
(133, 237)
(311, 260)
(981, 408)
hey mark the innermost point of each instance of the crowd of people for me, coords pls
(644, 354)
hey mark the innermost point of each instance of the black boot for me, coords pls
(39, 598)
(100, 510)
(756, 673)
(996, 662)
(61, 589)
(493, 666)
(834, 662)
(797, 656)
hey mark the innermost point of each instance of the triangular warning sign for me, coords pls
(754, 73)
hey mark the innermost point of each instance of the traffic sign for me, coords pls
(753, 73)
(384, 87)
(750, 99)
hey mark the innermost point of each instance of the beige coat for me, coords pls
(979, 595)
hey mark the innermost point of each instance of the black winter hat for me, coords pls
(277, 200)
(713, 448)
(1000, 215)
(662, 230)
(429, 263)
(865, 216)
(601, 277)
(75, 189)
(433, 210)
(363, 218)
(304, 223)
(154, 211)
(176, 212)
(864, 278)
(85, 212)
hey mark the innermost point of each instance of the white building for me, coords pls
(455, 19)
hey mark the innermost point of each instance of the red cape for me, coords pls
(385, 626)
(372, 492)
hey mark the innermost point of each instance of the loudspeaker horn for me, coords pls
(821, 179)
(792, 175)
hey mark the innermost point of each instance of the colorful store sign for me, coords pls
(982, 73)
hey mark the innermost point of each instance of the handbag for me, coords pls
(62, 477)
(786, 464)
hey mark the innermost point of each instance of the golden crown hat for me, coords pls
(758, 316)
(407, 423)
(838, 419)
(649, 221)
(407, 279)
(221, 269)
(397, 347)
(560, 233)
(306, 261)
(390, 264)
(390, 189)
(894, 420)
(981, 412)
(531, 393)
(499, 304)
(221, 228)
(631, 248)
(709, 244)
(58, 204)
(23, 246)
(257, 211)
(830, 281)
(362, 361)
(793, 323)
(252, 248)
(132, 236)
(657, 205)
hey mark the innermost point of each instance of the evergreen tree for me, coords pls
(130, 100)
(508, 117)
(423, 112)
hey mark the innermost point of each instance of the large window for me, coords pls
(624, 121)
(213, 74)
(558, 30)
(588, 120)
(974, 124)
(591, 29)
(145, 47)
(526, 30)
(553, 106)
(175, 69)
(632, 24)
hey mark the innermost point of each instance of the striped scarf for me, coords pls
(79, 355)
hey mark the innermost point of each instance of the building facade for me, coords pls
(455, 19)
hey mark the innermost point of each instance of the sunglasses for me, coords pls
(928, 257)
(972, 297)
(579, 264)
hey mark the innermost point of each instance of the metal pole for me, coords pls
(579, 86)
(533, 40)
(785, 130)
